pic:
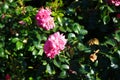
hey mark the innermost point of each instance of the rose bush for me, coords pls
(59, 39)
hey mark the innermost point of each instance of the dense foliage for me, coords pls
(91, 29)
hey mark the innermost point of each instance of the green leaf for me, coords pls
(114, 62)
(62, 29)
(82, 69)
(10, 1)
(14, 40)
(80, 18)
(1, 26)
(110, 9)
(29, 8)
(118, 52)
(54, 14)
(68, 29)
(6, 6)
(1, 44)
(48, 69)
(76, 28)
(39, 46)
(18, 11)
(28, 20)
(71, 35)
(19, 45)
(80, 46)
(60, 21)
(65, 66)
(111, 42)
(63, 74)
(62, 58)
(106, 19)
(83, 32)
(38, 35)
(117, 36)
(31, 48)
(2, 54)
(30, 78)
(61, 14)
(34, 52)
(100, 1)
(44, 62)
(30, 67)
(96, 63)
(40, 52)
(57, 64)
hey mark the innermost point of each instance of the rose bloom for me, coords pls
(7, 77)
(118, 16)
(55, 43)
(115, 2)
(44, 19)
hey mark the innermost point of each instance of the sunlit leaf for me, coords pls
(40, 52)
(65, 66)
(14, 40)
(19, 45)
(48, 69)
(71, 35)
(2, 54)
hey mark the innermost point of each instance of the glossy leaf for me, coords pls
(62, 74)
(65, 66)
(76, 28)
(56, 63)
(117, 36)
(2, 54)
(48, 69)
(40, 52)
(19, 45)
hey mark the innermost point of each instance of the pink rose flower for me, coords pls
(44, 19)
(7, 77)
(118, 16)
(55, 43)
(115, 2)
